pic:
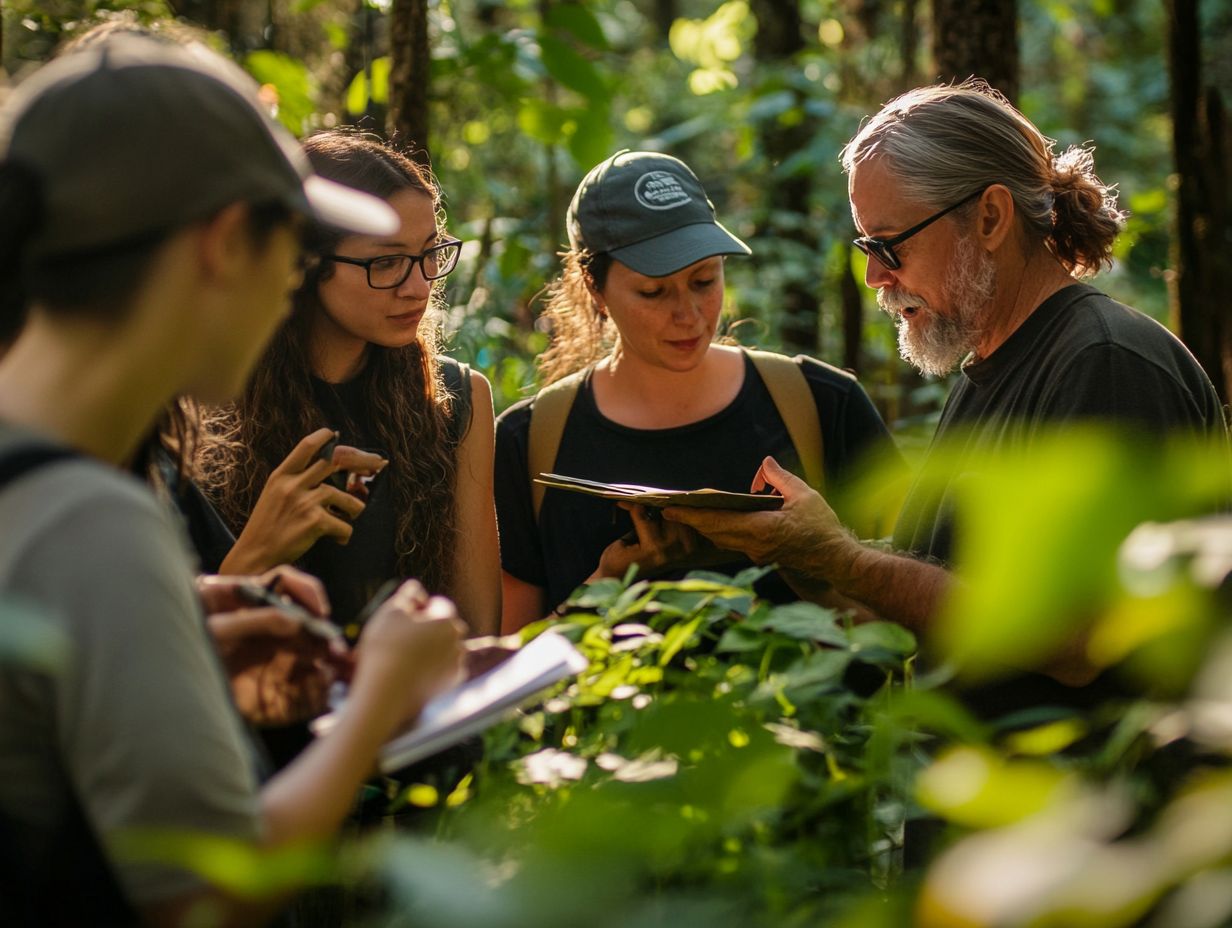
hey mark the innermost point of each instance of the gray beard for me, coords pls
(936, 343)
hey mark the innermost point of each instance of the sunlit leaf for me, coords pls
(238, 867)
(974, 786)
(296, 91)
(359, 94)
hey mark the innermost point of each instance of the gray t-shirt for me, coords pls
(139, 727)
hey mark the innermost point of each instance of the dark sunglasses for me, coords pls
(388, 271)
(883, 248)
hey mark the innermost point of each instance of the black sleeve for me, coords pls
(521, 553)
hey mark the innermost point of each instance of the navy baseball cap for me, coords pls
(649, 212)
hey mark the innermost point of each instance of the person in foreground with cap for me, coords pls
(149, 221)
(653, 400)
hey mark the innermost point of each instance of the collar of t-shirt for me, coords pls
(1022, 343)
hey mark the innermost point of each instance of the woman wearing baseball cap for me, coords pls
(150, 214)
(651, 398)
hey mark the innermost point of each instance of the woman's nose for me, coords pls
(415, 285)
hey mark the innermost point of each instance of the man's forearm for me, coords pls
(893, 586)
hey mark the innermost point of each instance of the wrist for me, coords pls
(245, 560)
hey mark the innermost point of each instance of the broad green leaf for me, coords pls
(580, 22)
(884, 635)
(741, 638)
(571, 70)
(807, 622)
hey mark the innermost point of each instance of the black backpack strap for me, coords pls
(457, 379)
(20, 462)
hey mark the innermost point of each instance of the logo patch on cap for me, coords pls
(660, 190)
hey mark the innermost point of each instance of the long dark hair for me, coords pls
(401, 388)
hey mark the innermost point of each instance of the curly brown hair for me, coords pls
(581, 332)
(401, 387)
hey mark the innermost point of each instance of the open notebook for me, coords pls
(472, 706)
(655, 496)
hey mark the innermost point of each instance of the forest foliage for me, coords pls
(526, 96)
(722, 760)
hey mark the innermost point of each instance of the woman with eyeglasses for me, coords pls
(407, 491)
(639, 390)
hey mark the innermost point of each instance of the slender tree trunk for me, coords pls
(665, 13)
(557, 203)
(908, 41)
(977, 38)
(1202, 150)
(410, 77)
(779, 37)
(850, 292)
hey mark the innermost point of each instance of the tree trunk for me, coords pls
(1202, 274)
(779, 37)
(908, 42)
(410, 77)
(850, 291)
(665, 13)
(977, 38)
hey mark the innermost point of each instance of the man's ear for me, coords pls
(226, 242)
(994, 217)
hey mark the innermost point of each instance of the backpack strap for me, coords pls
(548, 413)
(18, 463)
(456, 375)
(795, 404)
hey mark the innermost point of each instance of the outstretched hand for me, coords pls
(804, 534)
(297, 506)
(279, 672)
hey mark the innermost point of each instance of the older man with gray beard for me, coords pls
(978, 235)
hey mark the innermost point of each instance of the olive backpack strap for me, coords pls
(548, 413)
(21, 461)
(794, 401)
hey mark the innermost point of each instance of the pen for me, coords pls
(257, 595)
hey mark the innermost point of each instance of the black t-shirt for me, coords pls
(353, 572)
(1080, 356)
(722, 451)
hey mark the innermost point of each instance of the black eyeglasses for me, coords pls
(388, 271)
(883, 248)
